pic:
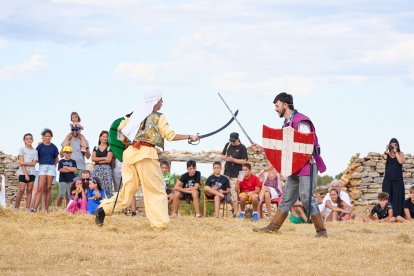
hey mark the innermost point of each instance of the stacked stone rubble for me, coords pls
(363, 177)
(9, 167)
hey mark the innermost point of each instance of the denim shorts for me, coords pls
(47, 170)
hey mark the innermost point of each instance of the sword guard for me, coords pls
(194, 143)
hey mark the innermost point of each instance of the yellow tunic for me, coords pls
(141, 167)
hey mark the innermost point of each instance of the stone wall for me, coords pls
(363, 177)
(9, 167)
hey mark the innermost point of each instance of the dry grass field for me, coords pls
(61, 244)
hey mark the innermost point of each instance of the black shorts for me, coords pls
(187, 196)
(22, 178)
(226, 198)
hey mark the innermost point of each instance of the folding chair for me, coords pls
(223, 205)
(273, 201)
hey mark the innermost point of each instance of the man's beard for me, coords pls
(282, 113)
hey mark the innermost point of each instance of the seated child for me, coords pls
(408, 208)
(297, 213)
(78, 199)
(75, 125)
(168, 180)
(271, 189)
(94, 194)
(382, 209)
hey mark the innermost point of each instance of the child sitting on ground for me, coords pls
(94, 194)
(408, 208)
(75, 125)
(382, 209)
(78, 199)
(337, 209)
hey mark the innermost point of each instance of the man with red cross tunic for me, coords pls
(300, 183)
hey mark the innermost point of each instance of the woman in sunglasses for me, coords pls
(393, 183)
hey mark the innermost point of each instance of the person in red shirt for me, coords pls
(248, 189)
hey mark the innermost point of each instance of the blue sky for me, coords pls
(349, 65)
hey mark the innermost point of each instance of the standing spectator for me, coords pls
(77, 154)
(408, 208)
(393, 183)
(188, 188)
(235, 155)
(218, 188)
(248, 189)
(102, 156)
(67, 169)
(75, 123)
(27, 160)
(48, 158)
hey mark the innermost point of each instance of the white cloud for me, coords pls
(400, 51)
(239, 82)
(35, 63)
(142, 71)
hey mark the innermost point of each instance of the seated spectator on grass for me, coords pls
(408, 208)
(94, 194)
(335, 184)
(218, 188)
(168, 180)
(78, 200)
(271, 189)
(248, 189)
(337, 209)
(188, 188)
(297, 213)
(383, 210)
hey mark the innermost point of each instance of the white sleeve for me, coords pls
(345, 197)
(327, 197)
(304, 127)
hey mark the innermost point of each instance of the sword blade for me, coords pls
(220, 129)
(245, 133)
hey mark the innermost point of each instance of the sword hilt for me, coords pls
(194, 143)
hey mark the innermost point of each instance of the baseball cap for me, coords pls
(234, 136)
(67, 149)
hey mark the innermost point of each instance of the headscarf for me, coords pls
(146, 108)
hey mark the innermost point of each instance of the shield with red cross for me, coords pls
(286, 149)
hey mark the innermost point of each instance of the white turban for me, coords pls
(132, 127)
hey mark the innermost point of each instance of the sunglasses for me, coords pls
(89, 179)
(75, 130)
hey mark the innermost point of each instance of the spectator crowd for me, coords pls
(231, 183)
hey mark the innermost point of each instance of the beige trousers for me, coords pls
(147, 173)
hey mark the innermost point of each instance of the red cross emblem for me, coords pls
(286, 149)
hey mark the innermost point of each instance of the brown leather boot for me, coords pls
(319, 226)
(275, 224)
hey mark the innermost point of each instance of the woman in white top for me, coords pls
(336, 209)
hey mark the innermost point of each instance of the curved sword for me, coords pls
(214, 132)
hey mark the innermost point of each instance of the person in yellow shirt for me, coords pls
(145, 130)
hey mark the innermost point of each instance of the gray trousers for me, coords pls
(298, 186)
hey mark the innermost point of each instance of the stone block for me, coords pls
(370, 163)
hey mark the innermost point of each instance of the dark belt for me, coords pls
(138, 144)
